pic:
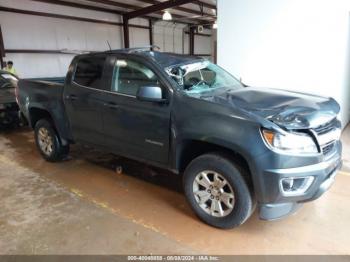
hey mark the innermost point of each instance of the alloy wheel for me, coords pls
(213, 193)
(45, 141)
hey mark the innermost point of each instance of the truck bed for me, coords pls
(46, 96)
(40, 91)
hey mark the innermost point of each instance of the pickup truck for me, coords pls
(9, 111)
(236, 147)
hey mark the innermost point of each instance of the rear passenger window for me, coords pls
(89, 71)
(129, 76)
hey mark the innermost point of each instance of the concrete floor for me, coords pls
(83, 206)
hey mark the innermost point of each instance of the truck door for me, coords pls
(82, 97)
(135, 128)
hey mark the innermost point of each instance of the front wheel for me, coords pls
(217, 191)
(48, 142)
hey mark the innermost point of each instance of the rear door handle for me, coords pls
(111, 105)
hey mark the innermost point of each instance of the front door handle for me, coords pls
(71, 97)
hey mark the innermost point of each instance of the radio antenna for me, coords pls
(110, 49)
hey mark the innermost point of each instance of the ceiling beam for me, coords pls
(210, 6)
(155, 8)
(179, 8)
(116, 4)
(82, 6)
(177, 18)
(67, 17)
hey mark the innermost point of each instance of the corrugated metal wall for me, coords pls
(22, 31)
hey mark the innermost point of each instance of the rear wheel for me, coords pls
(48, 142)
(217, 191)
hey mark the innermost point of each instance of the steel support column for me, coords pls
(2, 50)
(150, 32)
(126, 32)
(191, 38)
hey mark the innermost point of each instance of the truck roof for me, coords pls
(163, 59)
(169, 59)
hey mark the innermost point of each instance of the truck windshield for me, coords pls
(201, 77)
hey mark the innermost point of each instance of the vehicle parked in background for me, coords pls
(237, 147)
(9, 110)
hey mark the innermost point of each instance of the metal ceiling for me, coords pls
(191, 12)
(196, 12)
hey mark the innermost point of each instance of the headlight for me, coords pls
(291, 142)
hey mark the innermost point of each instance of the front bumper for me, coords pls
(324, 174)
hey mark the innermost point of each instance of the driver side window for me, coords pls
(129, 76)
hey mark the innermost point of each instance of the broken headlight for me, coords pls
(290, 142)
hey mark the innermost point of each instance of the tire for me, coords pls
(229, 177)
(48, 142)
(22, 120)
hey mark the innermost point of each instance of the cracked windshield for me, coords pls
(202, 77)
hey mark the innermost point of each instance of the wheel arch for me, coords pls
(191, 149)
(37, 113)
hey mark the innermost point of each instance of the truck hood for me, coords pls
(287, 109)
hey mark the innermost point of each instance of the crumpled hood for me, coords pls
(287, 109)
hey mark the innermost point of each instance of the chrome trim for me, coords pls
(300, 191)
(154, 142)
(331, 152)
(329, 137)
(104, 91)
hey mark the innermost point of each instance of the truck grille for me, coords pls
(327, 135)
(327, 149)
(327, 127)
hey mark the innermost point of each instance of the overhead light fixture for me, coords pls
(215, 25)
(167, 16)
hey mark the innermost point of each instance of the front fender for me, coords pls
(240, 136)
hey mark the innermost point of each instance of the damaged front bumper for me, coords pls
(322, 174)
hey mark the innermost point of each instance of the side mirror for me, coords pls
(150, 94)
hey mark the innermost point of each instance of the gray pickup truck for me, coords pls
(236, 147)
